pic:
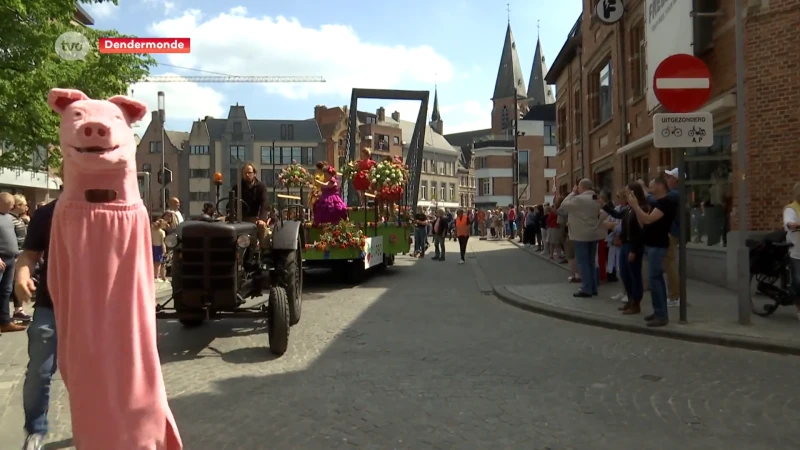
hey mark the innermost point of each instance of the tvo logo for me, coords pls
(72, 46)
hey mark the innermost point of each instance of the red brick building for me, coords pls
(603, 76)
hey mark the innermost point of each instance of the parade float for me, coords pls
(373, 233)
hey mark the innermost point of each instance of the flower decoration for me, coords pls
(343, 235)
(350, 170)
(388, 179)
(294, 176)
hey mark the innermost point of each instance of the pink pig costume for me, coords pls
(101, 281)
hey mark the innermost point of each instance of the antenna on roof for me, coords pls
(508, 11)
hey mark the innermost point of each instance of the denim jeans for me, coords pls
(655, 275)
(419, 239)
(585, 255)
(438, 245)
(631, 273)
(42, 365)
(6, 287)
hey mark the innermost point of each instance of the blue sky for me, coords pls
(398, 45)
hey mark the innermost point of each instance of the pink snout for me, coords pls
(94, 137)
(94, 129)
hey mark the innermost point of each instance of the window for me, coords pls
(480, 163)
(296, 154)
(199, 173)
(434, 185)
(709, 187)
(287, 132)
(440, 168)
(267, 154)
(155, 146)
(640, 168)
(547, 186)
(504, 123)
(423, 190)
(562, 127)
(308, 156)
(200, 196)
(452, 191)
(199, 149)
(147, 168)
(577, 115)
(637, 60)
(484, 186)
(268, 177)
(238, 154)
(396, 140)
(286, 155)
(522, 162)
(550, 137)
(424, 166)
(442, 193)
(600, 94)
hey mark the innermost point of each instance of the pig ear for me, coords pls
(59, 99)
(134, 109)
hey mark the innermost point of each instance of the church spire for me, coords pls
(436, 115)
(539, 93)
(510, 81)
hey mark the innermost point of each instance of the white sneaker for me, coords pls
(618, 296)
(673, 303)
(461, 262)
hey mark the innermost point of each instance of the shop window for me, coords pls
(709, 190)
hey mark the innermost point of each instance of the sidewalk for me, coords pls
(712, 311)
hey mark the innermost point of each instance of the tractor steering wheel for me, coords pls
(245, 208)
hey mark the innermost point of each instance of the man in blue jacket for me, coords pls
(671, 260)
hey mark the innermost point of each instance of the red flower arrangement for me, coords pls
(341, 236)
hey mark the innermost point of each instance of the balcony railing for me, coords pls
(505, 142)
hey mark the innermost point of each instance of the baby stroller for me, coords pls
(769, 268)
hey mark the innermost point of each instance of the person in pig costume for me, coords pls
(101, 281)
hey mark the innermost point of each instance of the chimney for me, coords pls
(318, 110)
(154, 116)
(381, 113)
(396, 116)
(207, 118)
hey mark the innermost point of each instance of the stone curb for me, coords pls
(678, 332)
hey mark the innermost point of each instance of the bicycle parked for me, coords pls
(770, 269)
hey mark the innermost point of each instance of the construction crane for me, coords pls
(230, 79)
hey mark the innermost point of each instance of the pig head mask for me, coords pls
(96, 135)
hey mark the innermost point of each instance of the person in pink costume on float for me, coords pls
(101, 281)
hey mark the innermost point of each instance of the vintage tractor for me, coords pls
(219, 270)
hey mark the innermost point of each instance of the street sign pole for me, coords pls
(682, 83)
(742, 253)
(683, 229)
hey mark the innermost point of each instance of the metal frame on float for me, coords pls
(415, 146)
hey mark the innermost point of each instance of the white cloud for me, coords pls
(281, 46)
(182, 101)
(103, 10)
(166, 5)
(465, 116)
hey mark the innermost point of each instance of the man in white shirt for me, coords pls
(174, 208)
(791, 223)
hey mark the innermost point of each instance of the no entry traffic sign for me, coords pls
(682, 83)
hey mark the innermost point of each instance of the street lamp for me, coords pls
(162, 118)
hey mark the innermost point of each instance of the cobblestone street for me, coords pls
(420, 358)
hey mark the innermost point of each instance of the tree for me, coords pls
(30, 67)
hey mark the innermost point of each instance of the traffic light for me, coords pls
(165, 177)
